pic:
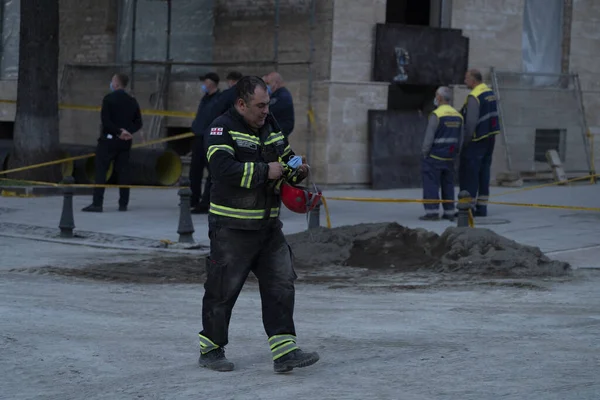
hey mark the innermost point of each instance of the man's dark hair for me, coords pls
(123, 79)
(234, 76)
(213, 76)
(245, 87)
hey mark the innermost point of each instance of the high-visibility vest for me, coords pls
(487, 121)
(447, 134)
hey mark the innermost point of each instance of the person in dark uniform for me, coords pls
(247, 152)
(221, 104)
(441, 145)
(121, 119)
(227, 98)
(204, 116)
(282, 104)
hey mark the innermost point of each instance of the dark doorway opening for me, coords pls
(7, 129)
(411, 98)
(181, 146)
(408, 12)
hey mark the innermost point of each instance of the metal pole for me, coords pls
(276, 37)
(168, 30)
(133, 24)
(311, 56)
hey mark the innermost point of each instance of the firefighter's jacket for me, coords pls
(242, 196)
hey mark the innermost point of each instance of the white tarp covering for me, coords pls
(542, 40)
(191, 31)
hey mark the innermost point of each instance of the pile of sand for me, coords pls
(392, 247)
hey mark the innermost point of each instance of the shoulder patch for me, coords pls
(216, 131)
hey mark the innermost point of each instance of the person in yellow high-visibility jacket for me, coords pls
(481, 127)
(441, 145)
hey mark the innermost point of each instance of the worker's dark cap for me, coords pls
(234, 76)
(212, 76)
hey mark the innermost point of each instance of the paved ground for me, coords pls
(67, 338)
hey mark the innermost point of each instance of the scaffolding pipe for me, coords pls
(310, 81)
(219, 64)
(132, 68)
(276, 36)
(168, 57)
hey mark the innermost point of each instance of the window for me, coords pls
(549, 139)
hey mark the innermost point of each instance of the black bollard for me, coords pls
(464, 205)
(67, 221)
(314, 217)
(186, 225)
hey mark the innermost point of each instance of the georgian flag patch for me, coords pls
(216, 131)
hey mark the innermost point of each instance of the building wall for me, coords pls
(351, 92)
(495, 30)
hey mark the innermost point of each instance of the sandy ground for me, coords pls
(113, 315)
(73, 338)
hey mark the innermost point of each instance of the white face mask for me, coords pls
(436, 102)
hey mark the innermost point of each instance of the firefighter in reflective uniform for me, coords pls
(247, 154)
(441, 144)
(481, 127)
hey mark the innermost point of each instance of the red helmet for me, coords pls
(298, 199)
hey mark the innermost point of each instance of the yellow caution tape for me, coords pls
(534, 205)
(326, 211)
(471, 219)
(385, 200)
(420, 201)
(91, 185)
(161, 113)
(581, 178)
(81, 157)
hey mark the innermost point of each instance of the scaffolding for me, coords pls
(160, 101)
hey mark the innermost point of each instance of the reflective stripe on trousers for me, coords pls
(281, 345)
(206, 345)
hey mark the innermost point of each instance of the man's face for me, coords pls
(469, 81)
(256, 110)
(115, 84)
(231, 83)
(210, 85)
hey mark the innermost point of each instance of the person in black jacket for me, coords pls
(204, 116)
(121, 119)
(282, 104)
(247, 153)
(227, 97)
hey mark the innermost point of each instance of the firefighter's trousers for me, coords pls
(233, 254)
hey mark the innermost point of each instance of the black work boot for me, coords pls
(449, 216)
(92, 208)
(295, 359)
(215, 360)
(480, 212)
(430, 217)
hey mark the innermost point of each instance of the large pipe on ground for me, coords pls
(154, 167)
(84, 170)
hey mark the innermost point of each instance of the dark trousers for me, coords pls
(474, 171)
(437, 174)
(115, 150)
(233, 254)
(197, 165)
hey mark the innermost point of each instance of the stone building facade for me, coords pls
(92, 36)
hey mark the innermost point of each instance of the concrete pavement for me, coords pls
(154, 216)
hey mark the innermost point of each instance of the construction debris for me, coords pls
(392, 247)
(509, 179)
